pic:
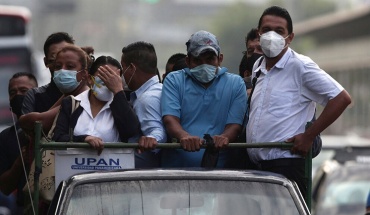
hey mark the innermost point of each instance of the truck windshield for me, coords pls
(182, 197)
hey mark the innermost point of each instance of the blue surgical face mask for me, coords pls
(204, 73)
(66, 80)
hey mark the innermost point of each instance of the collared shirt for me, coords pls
(202, 110)
(284, 100)
(146, 102)
(101, 126)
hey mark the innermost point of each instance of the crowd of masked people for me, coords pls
(98, 100)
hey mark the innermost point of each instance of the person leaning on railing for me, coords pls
(287, 86)
(103, 113)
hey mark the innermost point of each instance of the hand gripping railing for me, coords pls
(40, 146)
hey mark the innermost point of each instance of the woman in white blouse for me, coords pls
(103, 113)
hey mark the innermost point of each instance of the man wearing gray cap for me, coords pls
(201, 99)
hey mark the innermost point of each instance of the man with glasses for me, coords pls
(252, 43)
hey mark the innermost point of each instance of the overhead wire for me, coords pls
(23, 163)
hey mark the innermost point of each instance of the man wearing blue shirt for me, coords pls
(139, 63)
(201, 99)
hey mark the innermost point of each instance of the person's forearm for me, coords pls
(174, 128)
(124, 117)
(331, 112)
(152, 126)
(231, 131)
(27, 121)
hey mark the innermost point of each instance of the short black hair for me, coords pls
(252, 35)
(278, 11)
(104, 60)
(180, 64)
(142, 54)
(55, 38)
(21, 74)
(173, 59)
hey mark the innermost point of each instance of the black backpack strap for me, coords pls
(242, 135)
(254, 82)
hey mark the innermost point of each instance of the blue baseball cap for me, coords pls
(202, 41)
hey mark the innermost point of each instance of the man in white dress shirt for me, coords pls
(284, 99)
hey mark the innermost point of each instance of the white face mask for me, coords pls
(100, 91)
(272, 43)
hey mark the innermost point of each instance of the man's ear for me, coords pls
(291, 36)
(220, 59)
(46, 62)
